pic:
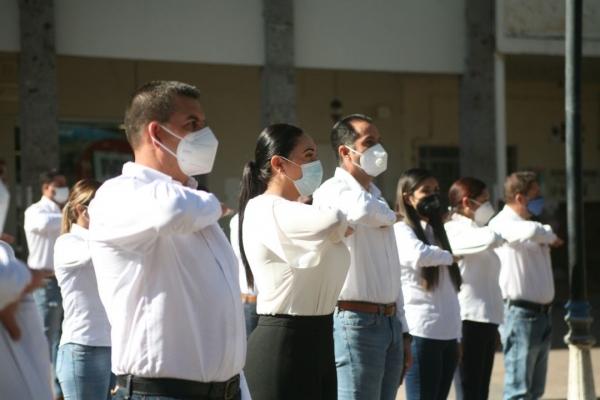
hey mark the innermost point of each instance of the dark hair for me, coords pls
(518, 183)
(343, 133)
(153, 101)
(464, 187)
(409, 182)
(47, 177)
(274, 140)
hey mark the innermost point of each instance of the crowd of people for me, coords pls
(323, 292)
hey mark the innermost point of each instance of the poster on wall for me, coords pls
(109, 164)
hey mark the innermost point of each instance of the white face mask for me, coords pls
(312, 174)
(196, 152)
(4, 203)
(61, 195)
(484, 213)
(373, 161)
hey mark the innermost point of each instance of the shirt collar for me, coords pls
(50, 203)
(512, 213)
(345, 176)
(80, 231)
(461, 218)
(148, 174)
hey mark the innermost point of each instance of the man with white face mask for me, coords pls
(166, 273)
(372, 344)
(42, 228)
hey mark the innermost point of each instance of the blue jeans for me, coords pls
(122, 395)
(369, 355)
(526, 339)
(49, 303)
(251, 317)
(84, 372)
(434, 363)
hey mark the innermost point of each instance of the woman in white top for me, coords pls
(481, 306)
(430, 282)
(83, 360)
(294, 253)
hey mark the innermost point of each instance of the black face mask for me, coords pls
(429, 206)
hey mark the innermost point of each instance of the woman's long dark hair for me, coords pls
(275, 140)
(409, 182)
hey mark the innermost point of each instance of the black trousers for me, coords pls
(472, 379)
(292, 357)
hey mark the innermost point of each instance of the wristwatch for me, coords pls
(407, 335)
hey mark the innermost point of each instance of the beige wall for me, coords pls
(410, 110)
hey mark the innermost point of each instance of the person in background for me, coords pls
(527, 286)
(25, 369)
(83, 360)
(372, 343)
(42, 228)
(480, 298)
(166, 273)
(295, 254)
(249, 295)
(430, 282)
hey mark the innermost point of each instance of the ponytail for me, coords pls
(82, 193)
(274, 140)
(250, 187)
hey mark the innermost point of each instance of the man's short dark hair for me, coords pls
(518, 183)
(47, 177)
(153, 101)
(343, 133)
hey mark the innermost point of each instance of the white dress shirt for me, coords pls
(526, 268)
(296, 255)
(42, 228)
(480, 296)
(25, 371)
(430, 314)
(374, 274)
(167, 278)
(235, 243)
(85, 319)
(14, 275)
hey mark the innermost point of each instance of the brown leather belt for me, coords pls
(384, 309)
(248, 298)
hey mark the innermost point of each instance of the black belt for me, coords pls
(529, 305)
(180, 388)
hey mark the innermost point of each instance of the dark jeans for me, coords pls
(472, 380)
(434, 363)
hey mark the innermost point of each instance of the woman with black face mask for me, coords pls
(430, 283)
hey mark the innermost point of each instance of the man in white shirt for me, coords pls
(25, 368)
(372, 345)
(167, 275)
(527, 286)
(42, 228)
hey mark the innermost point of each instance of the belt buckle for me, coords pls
(229, 385)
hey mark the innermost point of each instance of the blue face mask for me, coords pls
(536, 206)
(312, 174)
